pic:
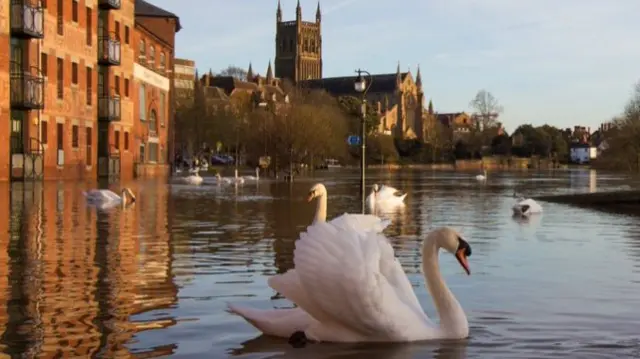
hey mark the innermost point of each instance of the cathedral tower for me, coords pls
(298, 47)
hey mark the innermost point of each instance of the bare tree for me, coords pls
(486, 109)
(235, 71)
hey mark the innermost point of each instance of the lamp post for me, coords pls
(362, 85)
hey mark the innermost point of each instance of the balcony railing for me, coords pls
(109, 108)
(109, 4)
(27, 90)
(109, 50)
(27, 19)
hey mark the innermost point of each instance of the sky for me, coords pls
(561, 62)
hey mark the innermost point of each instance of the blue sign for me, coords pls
(353, 140)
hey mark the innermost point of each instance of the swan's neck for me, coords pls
(453, 321)
(236, 174)
(321, 209)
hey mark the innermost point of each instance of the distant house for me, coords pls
(582, 153)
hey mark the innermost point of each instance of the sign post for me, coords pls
(353, 140)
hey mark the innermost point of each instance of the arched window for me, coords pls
(153, 123)
(163, 61)
(142, 49)
(152, 56)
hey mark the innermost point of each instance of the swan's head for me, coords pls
(452, 242)
(375, 187)
(318, 190)
(127, 191)
(218, 175)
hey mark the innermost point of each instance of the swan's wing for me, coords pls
(101, 195)
(360, 222)
(343, 270)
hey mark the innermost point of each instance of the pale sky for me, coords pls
(562, 62)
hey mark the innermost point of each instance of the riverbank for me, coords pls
(627, 201)
(496, 163)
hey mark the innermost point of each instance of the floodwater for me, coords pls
(153, 280)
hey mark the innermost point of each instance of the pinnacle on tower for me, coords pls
(269, 72)
(250, 73)
(279, 12)
(318, 13)
(419, 78)
(398, 75)
(299, 12)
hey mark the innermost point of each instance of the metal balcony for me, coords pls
(27, 90)
(109, 4)
(27, 19)
(109, 50)
(109, 108)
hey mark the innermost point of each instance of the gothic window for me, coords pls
(306, 45)
(282, 45)
(290, 44)
(313, 46)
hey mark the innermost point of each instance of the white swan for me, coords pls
(223, 180)
(194, 170)
(349, 287)
(526, 207)
(193, 179)
(385, 196)
(359, 222)
(253, 178)
(104, 198)
(482, 177)
(236, 179)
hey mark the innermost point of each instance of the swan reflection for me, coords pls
(453, 349)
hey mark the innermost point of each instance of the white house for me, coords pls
(582, 153)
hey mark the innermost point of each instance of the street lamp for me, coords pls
(362, 85)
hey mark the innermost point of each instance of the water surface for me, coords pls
(153, 280)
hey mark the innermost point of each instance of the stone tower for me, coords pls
(298, 47)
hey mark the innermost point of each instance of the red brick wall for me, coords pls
(4, 90)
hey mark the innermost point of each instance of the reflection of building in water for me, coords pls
(592, 181)
(76, 278)
(5, 210)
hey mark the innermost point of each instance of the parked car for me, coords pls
(222, 159)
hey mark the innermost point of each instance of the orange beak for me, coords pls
(462, 259)
(310, 197)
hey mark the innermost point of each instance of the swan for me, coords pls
(526, 207)
(236, 179)
(384, 196)
(106, 198)
(360, 222)
(349, 287)
(195, 178)
(482, 177)
(194, 170)
(224, 180)
(253, 178)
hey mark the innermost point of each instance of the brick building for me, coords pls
(69, 80)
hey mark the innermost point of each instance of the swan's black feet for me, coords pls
(298, 339)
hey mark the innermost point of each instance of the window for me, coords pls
(126, 141)
(60, 17)
(74, 73)
(117, 83)
(102, 91)
(116, 139)
(44, 132)
(117, 30)
(142, 57)
(60, 84)
(153, 152)
(89, 85)
(126, 35)
(126, 87)
(89, 143)
(141, 154)
(89, 28)
(74, 136)
(60, 135)
(141, 102)
(162, 109)
(163, 61)
(74, 10)
(17, 134)
(152, 56)
(44, 64)
(153, 124)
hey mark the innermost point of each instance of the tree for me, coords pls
(501, 145)
(622, 150)
(235, 71)
(486, 109)
(352, 107)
